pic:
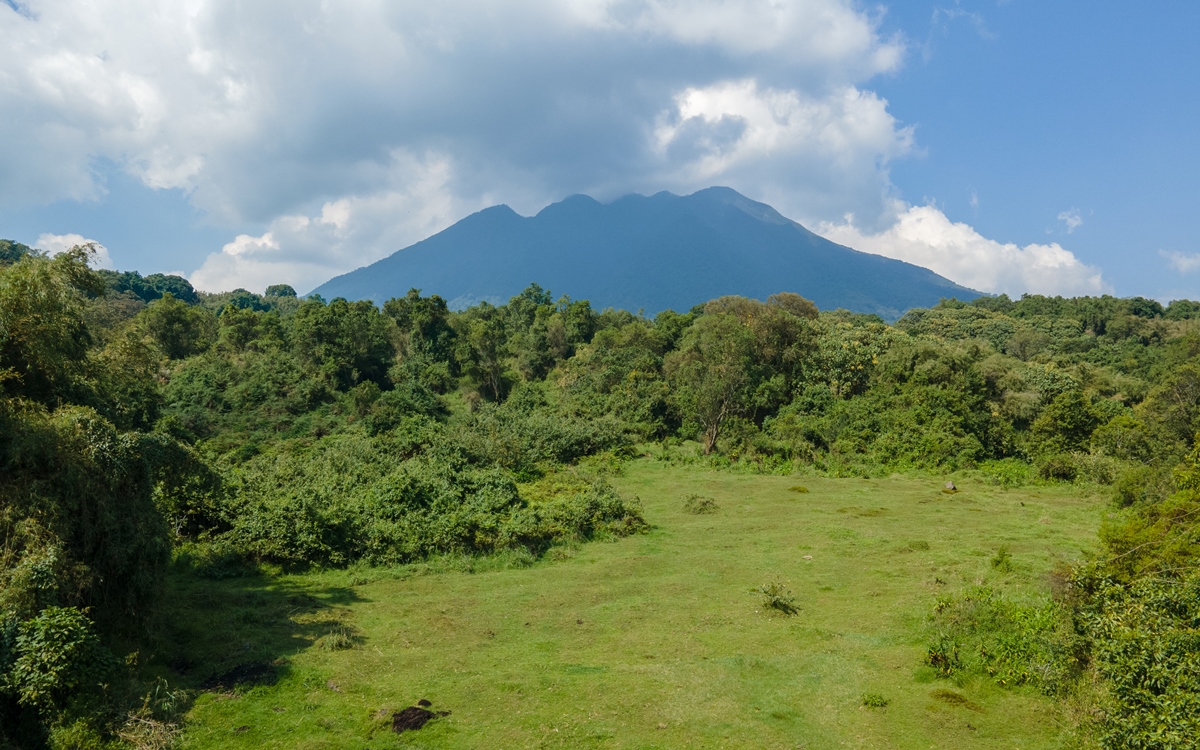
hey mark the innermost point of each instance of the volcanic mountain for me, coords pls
(645, 253)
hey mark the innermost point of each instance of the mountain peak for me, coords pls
(653, 253)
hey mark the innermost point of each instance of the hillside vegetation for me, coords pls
(161, 444)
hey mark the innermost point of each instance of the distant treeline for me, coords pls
(145, 421)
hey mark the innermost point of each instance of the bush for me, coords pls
(778, 597)
(1142, 485)
(1097, 469)
(874, 700)
(1147, 651)
(981, 632)
(1006, 472)
(1058, 468)
(56, 660)
(351, 498)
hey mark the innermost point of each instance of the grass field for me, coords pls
(649, 641)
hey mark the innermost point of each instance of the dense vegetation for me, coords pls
(145, 424)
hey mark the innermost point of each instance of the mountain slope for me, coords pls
(652, 253)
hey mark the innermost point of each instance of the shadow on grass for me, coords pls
(244, 627)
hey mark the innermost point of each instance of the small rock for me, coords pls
(579, 622)
(950, 486)
(423, 703)
(808, 557)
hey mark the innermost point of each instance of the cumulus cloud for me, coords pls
(1072, 219)
(269, 111)
(1181, 262)
(304, 250)
(60, 243)
(923, 235)
(735, 132)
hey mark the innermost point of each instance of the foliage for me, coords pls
(83, 539)
(1147, 652)
(55, 657)
(137, 413)
(1014, 643)
(777, 597)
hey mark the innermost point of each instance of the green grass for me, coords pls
(659, 640)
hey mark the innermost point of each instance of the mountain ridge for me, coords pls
(645, 252)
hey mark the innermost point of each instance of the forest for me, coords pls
(150, 431)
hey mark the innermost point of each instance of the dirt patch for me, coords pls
(252, 673)
(415, 717)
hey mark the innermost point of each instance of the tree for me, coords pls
(348, 342)
(424, 324)
(44, 339)
(711, 374)
(482, 347)
(1066, 424)
(180, 330)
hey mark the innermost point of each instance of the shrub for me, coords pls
(352, 498)
(778, 597)
(1058, 468)
(1147, 652)
(1006, 472)
(57, 658)
(1142, 485)
(874, 700)
(981, 632)
(1096, 469)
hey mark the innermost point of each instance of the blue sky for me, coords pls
(1011, 146)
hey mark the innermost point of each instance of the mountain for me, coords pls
(652, 253)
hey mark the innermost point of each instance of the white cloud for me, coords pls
(808, 31)
(267, 111)
(305, 251)
(60, 243)
(1072, 219)
(735, 133)
(1181, 262)
(923, 235)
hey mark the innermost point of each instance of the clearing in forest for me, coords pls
(656, 640)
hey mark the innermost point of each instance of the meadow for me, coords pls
(653, 640)
(260, 520)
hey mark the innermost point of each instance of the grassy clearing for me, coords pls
(661, 640)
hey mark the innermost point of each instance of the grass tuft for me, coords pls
(341, 638)
(698, 505)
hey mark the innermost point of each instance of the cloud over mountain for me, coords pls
(342, 131)
(924, 236)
